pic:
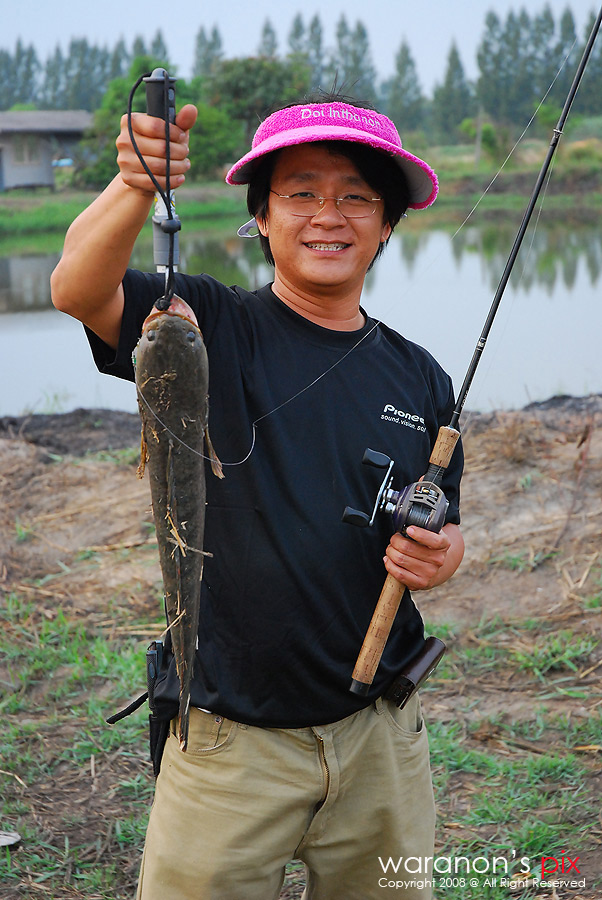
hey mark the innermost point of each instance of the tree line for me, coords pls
(518, 58)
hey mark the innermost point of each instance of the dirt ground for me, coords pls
(532, 521)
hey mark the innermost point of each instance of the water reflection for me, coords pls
(24, 282)
(219, 252)
(546, 259)
(433, 289)
(548, 256)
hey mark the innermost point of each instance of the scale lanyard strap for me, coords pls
(161, 103)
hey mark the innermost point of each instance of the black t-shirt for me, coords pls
(289, 590)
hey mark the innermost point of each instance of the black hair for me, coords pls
(378, 169)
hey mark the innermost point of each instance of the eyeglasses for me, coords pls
(352, 206)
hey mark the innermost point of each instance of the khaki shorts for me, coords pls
(243, 801)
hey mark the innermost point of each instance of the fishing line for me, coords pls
(517, 282)
(428, 264)
(557, 133)
(261, 418)
(519, 140)
(468, 414)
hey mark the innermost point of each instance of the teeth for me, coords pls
(317, 246)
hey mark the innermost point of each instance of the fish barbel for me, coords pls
(172, 375)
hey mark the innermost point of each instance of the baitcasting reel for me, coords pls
(422, 503)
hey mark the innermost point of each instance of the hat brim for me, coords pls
(422, 181)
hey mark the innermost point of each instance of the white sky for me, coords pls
(428, 27)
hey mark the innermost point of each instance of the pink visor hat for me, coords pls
(337, 122)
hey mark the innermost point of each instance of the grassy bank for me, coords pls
(462, 185)
(514, 711)
(79, 791)
(36, 212)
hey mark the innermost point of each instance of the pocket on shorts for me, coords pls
(407, 721)
(208, 733)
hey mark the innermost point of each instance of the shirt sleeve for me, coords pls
(141, 290)
(211, 302)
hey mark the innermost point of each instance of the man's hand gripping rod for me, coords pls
(424, 503)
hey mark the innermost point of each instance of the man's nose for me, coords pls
(329, 212)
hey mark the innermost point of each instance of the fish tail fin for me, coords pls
(216, 466)
(183, 721)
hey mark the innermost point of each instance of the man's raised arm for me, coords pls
(86, 283)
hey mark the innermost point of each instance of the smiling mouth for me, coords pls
(332, 247)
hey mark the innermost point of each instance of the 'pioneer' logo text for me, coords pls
(399, 413)
(401, 417)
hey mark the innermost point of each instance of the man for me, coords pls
(283, 761)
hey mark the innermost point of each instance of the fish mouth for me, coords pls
(328, 246)
(177, 307)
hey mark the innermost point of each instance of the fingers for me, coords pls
(416, 562)
(432, 539)
(187, 116)
(149, 134)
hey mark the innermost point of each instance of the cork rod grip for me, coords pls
(377, 635)
(445, 444)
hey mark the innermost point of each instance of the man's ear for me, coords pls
(262, 225)
(386, 232)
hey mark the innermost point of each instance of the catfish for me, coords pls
(172, 377)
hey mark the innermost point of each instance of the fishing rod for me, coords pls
(423, 503)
